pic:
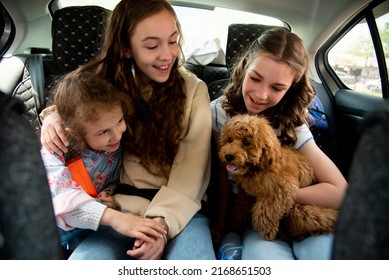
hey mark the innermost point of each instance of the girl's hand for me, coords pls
(53, 136)
(144, 250)
(133, 226)
(106, 199)
(150, 250)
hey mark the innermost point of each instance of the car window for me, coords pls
(202, 25)
(354, 58)
(199, 24)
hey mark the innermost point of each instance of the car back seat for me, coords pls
(208, 73)
(77, 32)
(239, 38)
(32, 89)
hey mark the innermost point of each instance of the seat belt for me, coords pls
(81, 175)
(37, 76)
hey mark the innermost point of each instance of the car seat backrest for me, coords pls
(77, 34)
(32, 88)
(239, 38)
(27, 223)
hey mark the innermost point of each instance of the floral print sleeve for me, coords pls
(73, 207)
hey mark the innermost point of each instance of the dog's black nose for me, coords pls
(229, 158)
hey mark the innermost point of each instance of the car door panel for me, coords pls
(351, 108)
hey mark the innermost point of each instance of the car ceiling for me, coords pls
(312, 20)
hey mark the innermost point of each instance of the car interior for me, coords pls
(28, 71)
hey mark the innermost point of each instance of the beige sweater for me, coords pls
(180, 195)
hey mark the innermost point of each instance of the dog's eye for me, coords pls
(230, 140)
(246, 142)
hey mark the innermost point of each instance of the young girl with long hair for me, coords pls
(166, 165)
(271, 79)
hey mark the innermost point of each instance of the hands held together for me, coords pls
(150, 234)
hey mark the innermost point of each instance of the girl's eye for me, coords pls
(151, 47)
(276, 89)
(102, 133)
(173, 42)
(121, 120)
(254, 79)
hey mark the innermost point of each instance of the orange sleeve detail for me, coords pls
(81, 176)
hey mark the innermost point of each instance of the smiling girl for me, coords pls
(271, 80)
(166, 164)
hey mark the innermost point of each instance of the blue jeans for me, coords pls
(71, 238)
(311, 248)
(193, 243)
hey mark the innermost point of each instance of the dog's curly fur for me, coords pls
(272, 174)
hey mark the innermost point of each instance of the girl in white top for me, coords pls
(271, 80)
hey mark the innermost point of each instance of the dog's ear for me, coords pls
(269, 156)
(268, 143)
(224, 136)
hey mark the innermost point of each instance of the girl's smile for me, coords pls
(155, 46)
(265, 83)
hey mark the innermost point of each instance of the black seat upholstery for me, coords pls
(77, 34)
(239, 38)
(27, 224)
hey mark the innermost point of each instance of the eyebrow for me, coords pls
(276, 84)
(105, 129)
(157, 38)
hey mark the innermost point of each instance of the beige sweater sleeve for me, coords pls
(46, 112)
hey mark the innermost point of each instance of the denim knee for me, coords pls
(193, 243)
(314, 247)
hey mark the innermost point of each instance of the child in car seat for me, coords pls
(94, 115)
(271, 80)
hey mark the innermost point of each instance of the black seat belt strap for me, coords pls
(37, 76)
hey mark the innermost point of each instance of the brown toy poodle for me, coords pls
(270, 175)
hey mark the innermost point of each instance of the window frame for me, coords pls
(325, 71)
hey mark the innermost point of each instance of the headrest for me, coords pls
(77, 33)
(239, 38)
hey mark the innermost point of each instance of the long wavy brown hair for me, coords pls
(283, 46)
(156, 125)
